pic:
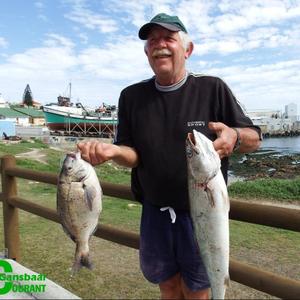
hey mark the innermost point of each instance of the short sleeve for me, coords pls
(231, 112)
(123, 133)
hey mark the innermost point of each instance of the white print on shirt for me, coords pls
(196, 124)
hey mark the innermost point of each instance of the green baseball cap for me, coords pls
(172, 23)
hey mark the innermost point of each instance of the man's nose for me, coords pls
(161, 42)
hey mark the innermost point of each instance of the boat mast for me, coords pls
(70, 90)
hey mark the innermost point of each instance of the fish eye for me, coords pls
(189, 152)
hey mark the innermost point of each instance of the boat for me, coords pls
(66, 118)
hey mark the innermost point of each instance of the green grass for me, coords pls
(23, 146)
(121, 213)
(111, 172)
(279, 189)
(46, 249)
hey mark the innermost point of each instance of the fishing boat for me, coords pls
(65, 118)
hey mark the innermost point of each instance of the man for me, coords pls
(154, 118)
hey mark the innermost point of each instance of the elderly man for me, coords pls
(155, 116)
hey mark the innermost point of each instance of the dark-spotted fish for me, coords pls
(79, 203)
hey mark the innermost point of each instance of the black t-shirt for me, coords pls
(156, 124)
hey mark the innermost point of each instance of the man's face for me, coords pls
(166, 55)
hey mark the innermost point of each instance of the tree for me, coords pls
(27, 96)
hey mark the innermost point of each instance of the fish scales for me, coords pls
(209, 208)
(79, 203)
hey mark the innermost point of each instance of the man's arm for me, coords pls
(250, 140)
(97, 153)
(227, 137)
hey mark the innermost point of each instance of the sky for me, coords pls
(253, 45)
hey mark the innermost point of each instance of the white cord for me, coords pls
(171, 211)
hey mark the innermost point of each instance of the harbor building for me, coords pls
(274, 122)
(291, 111)
(3, 103)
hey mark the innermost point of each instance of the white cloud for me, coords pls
(42, 17)
(56, 40)
(96, 72)
(223, 27)
(195, 14)
(41, 61)
(91, 20)
(3, 42)
(39, 4)
(260, 30)
(116, 61)
(83, 37)
(138, 12)
(237, 16)
(256, 85)
(224, 46)
(51, 62)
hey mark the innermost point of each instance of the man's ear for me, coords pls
(145, 49)
(189, 50)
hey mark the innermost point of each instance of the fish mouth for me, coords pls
(192, 142)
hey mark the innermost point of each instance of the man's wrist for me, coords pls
(238, 139)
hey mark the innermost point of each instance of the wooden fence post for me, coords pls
(10, 213)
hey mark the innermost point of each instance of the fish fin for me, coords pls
(94, 230)
(69, 234)
(228, 201)
(89, 196)
(61, 217)
(227, 281)
(210, 197)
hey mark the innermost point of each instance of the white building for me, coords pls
(3, 103)
(291, 111)
(264, 113)
(273, 125)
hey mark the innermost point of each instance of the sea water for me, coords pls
(283, 145)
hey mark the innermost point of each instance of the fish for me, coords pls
(79, 204)
(209, 209)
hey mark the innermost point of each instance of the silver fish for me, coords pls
(79, 203)
(209, 208)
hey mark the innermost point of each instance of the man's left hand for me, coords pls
(226, 138)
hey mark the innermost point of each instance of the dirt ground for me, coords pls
(35, 154)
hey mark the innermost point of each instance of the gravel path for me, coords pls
(35, 154)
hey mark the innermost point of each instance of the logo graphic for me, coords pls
(19, 282)
(196, 124)
(8, 269)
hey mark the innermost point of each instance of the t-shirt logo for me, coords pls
(196, 123)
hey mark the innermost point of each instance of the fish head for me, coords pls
(203, 161)
(75, 167)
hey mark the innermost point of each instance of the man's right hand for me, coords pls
(97, 153)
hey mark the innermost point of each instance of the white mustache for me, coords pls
(160, 52)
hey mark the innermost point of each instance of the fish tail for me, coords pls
(227, 281)
(85, 261)
(82, 259)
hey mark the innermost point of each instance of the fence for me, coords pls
(245, 274)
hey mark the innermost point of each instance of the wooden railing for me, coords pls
(245, 274)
